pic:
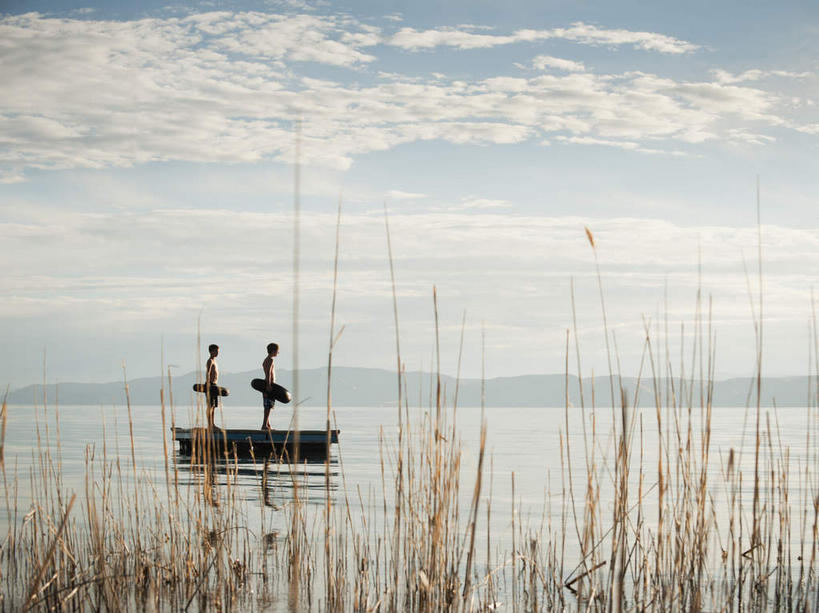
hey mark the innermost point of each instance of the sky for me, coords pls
(148, 169)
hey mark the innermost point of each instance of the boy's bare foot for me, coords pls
(265, 427)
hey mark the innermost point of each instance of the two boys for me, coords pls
(212, 378)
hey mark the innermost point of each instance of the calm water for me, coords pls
(523, 441)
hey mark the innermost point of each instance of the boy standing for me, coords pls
(269, 369)
(211, 379)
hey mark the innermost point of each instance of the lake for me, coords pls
(525, 475)
(523, 441)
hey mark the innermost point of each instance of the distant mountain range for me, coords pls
(364, 387)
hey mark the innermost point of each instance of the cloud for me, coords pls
(12, 176)
(477, 203)
(129, 275)
(114, 248)
(413, 40)
(396, 194)
(303, 38)
(755, 74)
(649, 41)
(620, 144)
(579, 32)
(154, 271)
(541, 62)
(742, 136)
(225, 87)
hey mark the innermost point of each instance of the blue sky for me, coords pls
(146, 179)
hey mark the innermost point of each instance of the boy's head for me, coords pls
(213, 350)
(272, 349)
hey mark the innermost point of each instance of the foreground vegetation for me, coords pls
(670, 536)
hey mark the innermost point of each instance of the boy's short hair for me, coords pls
(212, 348)
(272, 347)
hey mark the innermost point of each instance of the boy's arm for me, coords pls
(210, 375)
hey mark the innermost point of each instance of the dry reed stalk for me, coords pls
(399, 481)
(295, 558)
(3, 420)
(35, 585)
(329, 577)
(476, 496)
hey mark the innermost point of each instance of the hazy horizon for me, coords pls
(177, 374)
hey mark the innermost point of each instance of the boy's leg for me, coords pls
(268, 405)
(213, 402)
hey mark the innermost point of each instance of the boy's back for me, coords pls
(212, 371)
(269, 368)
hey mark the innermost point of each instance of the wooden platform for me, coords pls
(256, 443)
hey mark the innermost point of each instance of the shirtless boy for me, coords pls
(211, 379)
(269, 369)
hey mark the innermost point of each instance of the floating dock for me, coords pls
(313, 444)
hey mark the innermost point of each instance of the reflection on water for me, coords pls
(269, 482)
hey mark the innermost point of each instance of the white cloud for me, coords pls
(649, 41)
(477, 203)
(742, 136)
(541, 62)
(306, 38)
(620, 144)
(112, 248)
(156, 270)
(153, 266)
(12, 176)
(755, 74)
(220, 87)
(397, 194)
(412, 39)
(465, 38)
